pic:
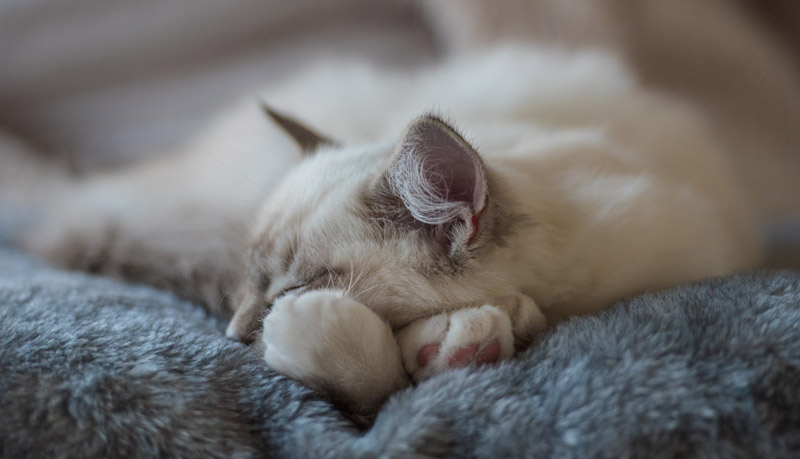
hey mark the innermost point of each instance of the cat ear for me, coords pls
(441, 181)
(307, 138)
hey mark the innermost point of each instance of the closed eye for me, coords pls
(297, 288)
(286, 291)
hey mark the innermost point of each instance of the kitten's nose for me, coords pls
(246, 322)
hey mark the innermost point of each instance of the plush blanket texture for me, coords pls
(95, 368)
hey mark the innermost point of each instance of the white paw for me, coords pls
(471, 336)
(335, 345)
(526, 318)
(446, 341)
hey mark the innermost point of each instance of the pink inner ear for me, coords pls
(450, 165)
(440, 179)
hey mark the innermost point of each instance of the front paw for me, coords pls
(527, 319)
(335, 345)
(446, 341)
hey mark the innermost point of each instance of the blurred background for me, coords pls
(104, 82)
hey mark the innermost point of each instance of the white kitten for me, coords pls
(413, 250)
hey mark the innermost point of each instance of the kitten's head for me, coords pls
(409, 228)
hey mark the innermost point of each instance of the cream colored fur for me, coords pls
(609, 191)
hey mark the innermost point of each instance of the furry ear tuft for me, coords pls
(307, 138)
(441, 181)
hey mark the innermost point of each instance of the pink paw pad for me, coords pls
(472, 353)
(463, 356)
(427, 353)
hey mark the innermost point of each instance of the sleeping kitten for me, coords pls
(382, 253)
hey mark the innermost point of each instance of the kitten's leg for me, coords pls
(486, 334)
(199, 259)
(138, 223)
(336, 346)
(177, 221)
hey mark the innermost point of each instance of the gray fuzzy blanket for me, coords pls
(95, 368)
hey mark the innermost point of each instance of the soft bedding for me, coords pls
(91, 367)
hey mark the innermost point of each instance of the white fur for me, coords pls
(331, 342)
(623, 191)
(453, 332)
(628, 191)
(420, 193)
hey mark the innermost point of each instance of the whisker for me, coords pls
(258, 187)
(360, 274)
(231, 289)
(371, 288)
(350, 284)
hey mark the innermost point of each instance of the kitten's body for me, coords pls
(593, 190)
